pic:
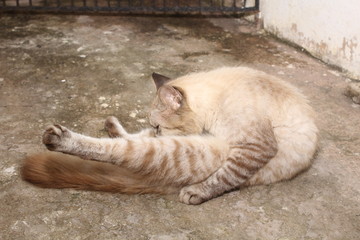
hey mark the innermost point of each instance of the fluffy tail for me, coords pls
(58, 170)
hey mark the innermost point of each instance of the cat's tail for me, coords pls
(58, 170)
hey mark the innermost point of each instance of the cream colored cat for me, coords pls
(212, 132)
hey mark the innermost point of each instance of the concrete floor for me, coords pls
(77, 70)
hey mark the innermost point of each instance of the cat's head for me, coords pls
(170, 113)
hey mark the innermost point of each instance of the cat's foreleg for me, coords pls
(236, 171)
(244, 160)
(114, 129)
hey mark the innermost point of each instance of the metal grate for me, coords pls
(139, 7)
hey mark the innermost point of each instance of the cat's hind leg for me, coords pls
(173, 160)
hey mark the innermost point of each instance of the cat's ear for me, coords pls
(159, 80)
(171, 96)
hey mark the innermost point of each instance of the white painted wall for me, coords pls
(328, 29)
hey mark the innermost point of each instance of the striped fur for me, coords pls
(212, 132)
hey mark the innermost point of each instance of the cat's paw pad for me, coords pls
(112, 126)
(54, 136)
(193, 194)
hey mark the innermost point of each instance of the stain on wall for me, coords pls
(328, 30)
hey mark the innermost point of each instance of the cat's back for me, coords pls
(240, 84)
(211, 86)
(237, 88)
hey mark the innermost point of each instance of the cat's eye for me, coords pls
(155, 127)
(158, 130)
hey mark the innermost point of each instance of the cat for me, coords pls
(212, 132)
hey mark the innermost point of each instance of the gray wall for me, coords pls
(328, 29)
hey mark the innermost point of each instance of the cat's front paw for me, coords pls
(113, 127)
(55, 137)
(193, 194)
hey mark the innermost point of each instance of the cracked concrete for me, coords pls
(77, 70)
